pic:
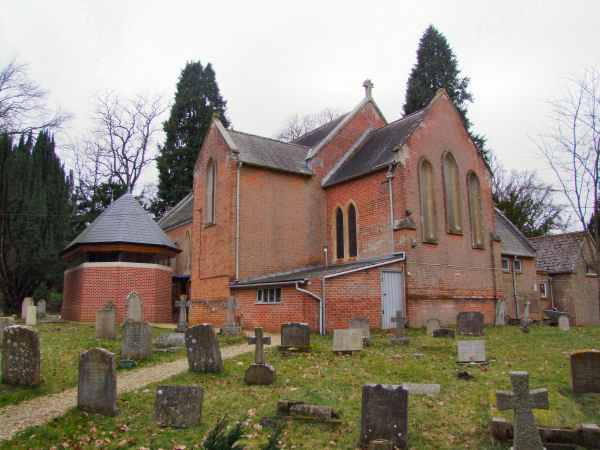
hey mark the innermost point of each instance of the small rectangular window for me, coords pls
(543, 292)
(589, 270)
(505, 264)
(517, 264)
(268, 295)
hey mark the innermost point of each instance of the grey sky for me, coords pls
(277, 58)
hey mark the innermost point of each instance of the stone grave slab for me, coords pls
(134, 306)
(500, 314)
(347, 341)
(295, 336)
(31, 316)
(563, 323)
(384, 414)
(26, 303)
(21, 356)
(286, 408)
(422, 388)
(136, 341)
(178, 406)
(4, 323)
(432, 325)
(470, 323)
(106, 320)
(362, 323)
(203, 351)
(166, 340)
(97, 382)
(443, 333)
(41, 308)
(471, 352)
(585, 371)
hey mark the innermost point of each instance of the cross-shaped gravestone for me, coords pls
(522, 400)
(259, 340)
(231, 305)
(183, 303)
(400, 321)
(109, 305)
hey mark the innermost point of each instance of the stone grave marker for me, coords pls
(470, 323)
(183, 304)
(563, 323)
(31, 316)
(471, 352)
(106, 322)
(21, 356)
(296, 336)
(422, 388)
(41, 308)
(286, 408)
(136, 341)
(500, 315)
(522, 400)
(443, 333)
(362, 323)
(400, 321)
(347, 341)
(27, 302)
(134, 306)
(178, 406)
(4, 323)
(259, 373)
(585, 371)
(384, 414)
(97, 382)
(432, 325)
(203, 351)
(230, 327)
(166, 340)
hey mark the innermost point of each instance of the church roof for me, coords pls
(314, 137)
(179, 215)
(512, 241)
(123, 222)
(558, 253)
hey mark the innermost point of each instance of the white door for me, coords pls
(392, 296)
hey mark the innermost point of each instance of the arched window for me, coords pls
(427, 202)
(187, 253)
(474, 189)
(452, 195)
(211, 175)
(339, 234)
(352, 247)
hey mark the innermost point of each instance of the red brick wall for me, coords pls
(177, 235)
(527, 289)
(87, 288)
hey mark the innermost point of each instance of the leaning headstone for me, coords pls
(136, 341)
(178, 406)
(203, 351)
(295, 336)
(134, 306)
(522, 400)
(106, 323)
(41, 308)
(97, 382)
(400, 324)
(31, 316)
(21, 356)
(166, 340)
(362, 323)
(230, 327)
(384, 414)
(585, 371)
(27, 302)
(4, 323)
(500, 315)
(432, 325)
(259, 373)
(347, 341)
(471, 352)
(563, 323)
(183, 304)
(470, 323)
(443, 333)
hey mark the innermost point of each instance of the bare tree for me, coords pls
(296, 127)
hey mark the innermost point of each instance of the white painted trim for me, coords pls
(234, 148)
(119, 264)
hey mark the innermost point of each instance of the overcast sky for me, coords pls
(274, 59)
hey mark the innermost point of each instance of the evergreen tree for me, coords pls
(196, 99)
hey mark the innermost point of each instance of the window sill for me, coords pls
(479, 247)
(210, 224)
(455, 232)
(267, 303)
(430, 241)
(591, 275)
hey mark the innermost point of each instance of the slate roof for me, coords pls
(558, 253)
(265, 152)
(314, 137)
(512, 241)
(123, 222)
(179, 215)
(377, 151)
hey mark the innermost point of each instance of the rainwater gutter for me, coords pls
(514, 274)
(551, 295)
(390, 177)
(320, 303)
(237, 223)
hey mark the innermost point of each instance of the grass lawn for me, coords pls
(459, 417)
(61, 345)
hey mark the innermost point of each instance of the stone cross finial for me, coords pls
(259, 340)
(182, 303)
(109, 305)
(522, 400)
(368, 85)
(400, 321)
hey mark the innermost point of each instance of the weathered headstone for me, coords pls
(400, 324)
(31, 316)
(4, 323)
(422, 388)
(97, 382)
(178, 406)
(362, 323)
(563, 323)
(259, 373)
(106, 323)
(432, 325)
(384, 414)
(136, 341)
(524, 325)
(296, 336)
(27, 302)
(470, 323)
(471, 352)
(500, 315)
(134, 306)
(585, 371)
(522, 400)
(183, 304)
(443, 333)
(21, 356)
(203, 351)
(230, 327)
(41, 308)
(166, 340)
(347, 341)
(287, 408)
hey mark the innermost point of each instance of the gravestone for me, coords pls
(400, 324)
(384, 414)
(136, 341)
(134, 306)
(203, 351)
(470, 323)
(4, 323)
(347, 341)
(166, 340)
(21, 356)
(27, 302)
(259, 373)
(522, 400)
(295, 336)
(362, 323)
(230, 327)
(471, 352)
(563, 323)
(432, 325)
(41, 308)
(524, 325)
(31, 316)
(286, 408)
(183, 304)
(443, 333)
(106, 322)
(500, 315)
(178, 406)
(585, 371)
(422, 388)
(97, 382)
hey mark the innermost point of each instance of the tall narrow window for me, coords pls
(339, 234)
(475, 210)
(211, 172)
(352, 250)
(427, 203)
(452, 195)
(187, 253)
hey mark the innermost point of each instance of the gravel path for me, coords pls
(38, 411)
